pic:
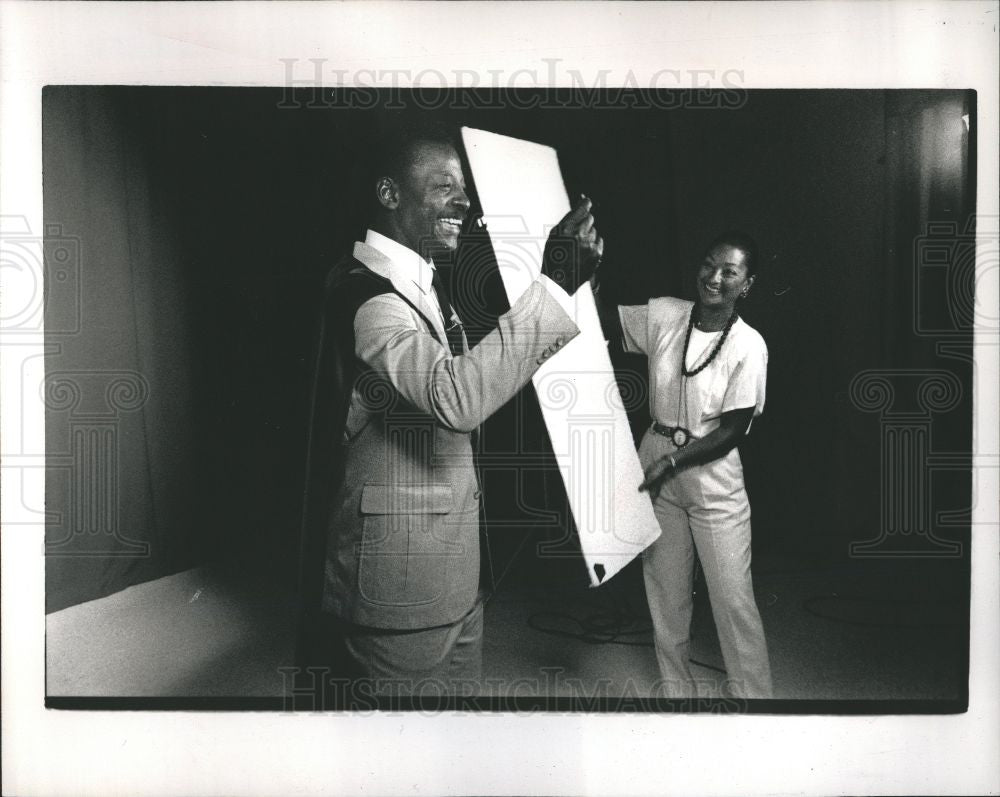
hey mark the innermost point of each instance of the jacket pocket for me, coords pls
(401, 563)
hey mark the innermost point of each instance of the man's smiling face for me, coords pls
(432, 201)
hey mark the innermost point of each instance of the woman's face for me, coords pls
(722, 277)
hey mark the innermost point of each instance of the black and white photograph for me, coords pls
(366, 395)
(229, 483)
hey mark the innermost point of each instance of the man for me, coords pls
(402, 549)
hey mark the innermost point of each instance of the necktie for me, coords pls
(452, 326)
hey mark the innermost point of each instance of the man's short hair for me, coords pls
(393, 151)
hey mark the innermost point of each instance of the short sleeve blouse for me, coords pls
(735, 379)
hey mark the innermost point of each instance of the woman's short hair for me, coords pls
(742, 241)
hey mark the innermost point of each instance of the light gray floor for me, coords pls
(195, 633)
(896, 638)
(202, 633)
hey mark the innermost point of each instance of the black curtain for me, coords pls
(206, 219)
(120, 390)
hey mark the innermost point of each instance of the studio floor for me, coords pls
(878, 630)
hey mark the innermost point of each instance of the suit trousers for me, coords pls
(704, 509)
(427, 662)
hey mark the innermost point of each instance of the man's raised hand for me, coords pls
(573, 250)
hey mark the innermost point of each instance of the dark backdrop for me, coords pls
(205, 218)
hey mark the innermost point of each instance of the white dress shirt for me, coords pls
(422, 271)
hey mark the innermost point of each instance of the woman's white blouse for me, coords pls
(735, 379)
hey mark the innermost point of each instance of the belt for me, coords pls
(677, 434)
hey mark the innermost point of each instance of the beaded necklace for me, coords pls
(681, 435)
(715, 351)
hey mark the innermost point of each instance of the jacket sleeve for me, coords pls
(461, 392)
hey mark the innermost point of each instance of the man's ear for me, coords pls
(387, 192)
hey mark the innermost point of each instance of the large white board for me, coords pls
(523, 196)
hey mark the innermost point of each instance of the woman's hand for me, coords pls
(717, 443)
(656, 474)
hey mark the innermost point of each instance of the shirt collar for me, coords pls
(409, 262)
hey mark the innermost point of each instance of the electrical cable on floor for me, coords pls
(809, 605)
(604, 627)
(834, 601)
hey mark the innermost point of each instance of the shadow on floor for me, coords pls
(878, 630)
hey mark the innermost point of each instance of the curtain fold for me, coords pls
(119, 407)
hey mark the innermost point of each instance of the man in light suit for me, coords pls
(402, 549)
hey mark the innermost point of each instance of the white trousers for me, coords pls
(704, 509)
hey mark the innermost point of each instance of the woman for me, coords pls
(707, 373)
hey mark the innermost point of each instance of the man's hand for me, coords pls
(574, 248)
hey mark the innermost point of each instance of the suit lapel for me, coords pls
(404, 284)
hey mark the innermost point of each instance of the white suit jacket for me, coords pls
(403, 536)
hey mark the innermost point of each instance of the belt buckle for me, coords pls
(680, 436)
